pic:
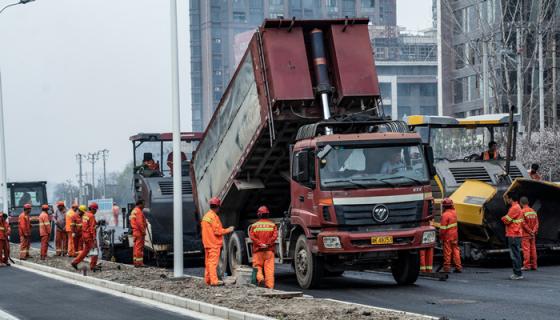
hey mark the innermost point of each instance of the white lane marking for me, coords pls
(379, 199)
(6, 316)
(143, 301)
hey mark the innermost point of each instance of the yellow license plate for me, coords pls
(382, 240)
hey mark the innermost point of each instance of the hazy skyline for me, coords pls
(81, 76)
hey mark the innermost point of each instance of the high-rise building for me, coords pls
(220, 30)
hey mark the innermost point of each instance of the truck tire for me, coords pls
(308, 266)
(406, 268)
(237, 251)
(223, 263)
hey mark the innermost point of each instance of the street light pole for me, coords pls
(176, 121)
(3, 170)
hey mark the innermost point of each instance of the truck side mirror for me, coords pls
(429, 152)
(302, 169)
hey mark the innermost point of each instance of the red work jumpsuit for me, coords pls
(212, 239)
(88, 233)
(530, 227)
(45, 233)
(450, 239)
(76, 228)
(4, 243)
(264, 233)
(24, 235)
(138, 224)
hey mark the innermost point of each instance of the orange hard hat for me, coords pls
(60, 204)
(93, 206)
(262, 211)
(215, 202)
(27, 206)
(447, 203)
(45, 207)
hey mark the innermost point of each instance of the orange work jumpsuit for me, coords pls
(76, 227)
(450, 238)
(88, 233)
(212, 239)
(71, 246)
(530, 227)
(487, 155)
(139, 225)
(24, 235)
(4, 243)
(264, 233)
(45, 233)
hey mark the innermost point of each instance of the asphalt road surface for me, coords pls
(27, 295)
(478, 293)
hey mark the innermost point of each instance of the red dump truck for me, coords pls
(300, 129)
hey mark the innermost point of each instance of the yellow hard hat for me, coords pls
(83, 208)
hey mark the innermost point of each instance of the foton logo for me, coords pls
(380, 213)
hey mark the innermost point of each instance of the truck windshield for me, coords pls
(33, 195)
(345, 167)
(451, 144)
(160, 153)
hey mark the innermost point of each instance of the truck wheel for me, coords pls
(308, 266)
(406, 268)
(223, 263)
(237, 251)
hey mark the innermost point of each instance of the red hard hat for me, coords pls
(74, 205)
(447, 203)
(45, 207)
(262, 211)
(27, 206)
(93, 206)
(60, 204)
(215, 202)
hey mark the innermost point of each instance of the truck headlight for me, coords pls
(429, 237)
(332, 242)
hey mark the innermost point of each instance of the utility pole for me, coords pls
(93, 157)
(520, 78)
(4, 181)
(541, 83)
(80, 157)
(485, 83)
(554, 84)
(104, 156)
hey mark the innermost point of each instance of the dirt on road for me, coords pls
(239, 297)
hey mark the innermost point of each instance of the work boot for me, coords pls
(219, 284)
(75, 266)
(515, 277)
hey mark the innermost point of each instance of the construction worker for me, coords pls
(69, 214)
(116, 212)
(61, 242)
(24, 232)
(513, 221)
(88, 233)
(139, 227)
(492, 152)
(77, 224)
(212, 239)
(44, 230)
(448, 233)
(4, 239)
(530, 227)
(534, 172)
(427, 260)
(264, 233)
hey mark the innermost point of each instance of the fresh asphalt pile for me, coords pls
(238, 297)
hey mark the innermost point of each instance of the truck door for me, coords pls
(303, 184)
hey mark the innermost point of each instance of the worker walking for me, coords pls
(530, 227)
(449, 236)
(4, 239)
(69, 214)
(513, 221)
(88, 232)
(264, 233)
(139, 226)
(61, 236)
(24, 226)
(44, 230)
(77, 223)
(212, 239)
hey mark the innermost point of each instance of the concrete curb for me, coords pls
(386, 309)
(194, 305)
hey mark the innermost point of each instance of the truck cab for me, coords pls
(21, 193)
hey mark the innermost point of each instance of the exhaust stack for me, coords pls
(321, 73)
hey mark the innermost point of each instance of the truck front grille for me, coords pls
(355, 215)
(474, 173)
(166, 187)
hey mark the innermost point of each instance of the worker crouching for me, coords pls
(88, 233)
(450, 237)
(139, 226)
(264, 233)
(44, 230)
(212, 239)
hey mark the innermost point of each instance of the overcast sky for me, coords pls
(83, 75)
